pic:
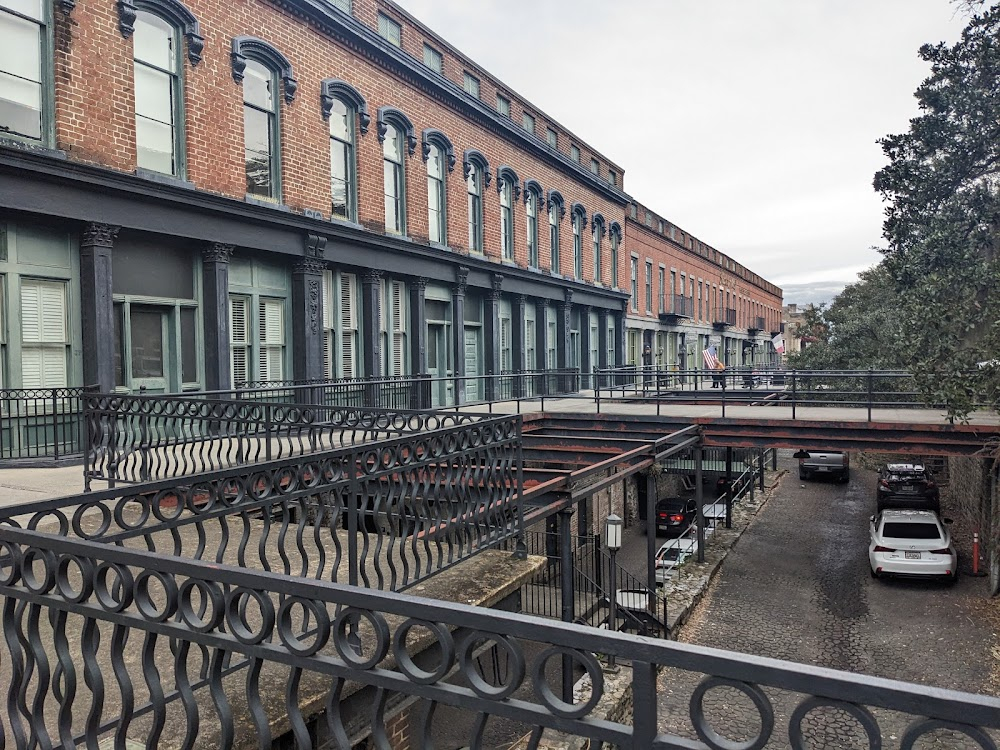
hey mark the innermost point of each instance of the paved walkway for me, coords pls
(802, 592)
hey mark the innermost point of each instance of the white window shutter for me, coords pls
(272, 339)
(43, 334)
(348, 326)
(238, 339)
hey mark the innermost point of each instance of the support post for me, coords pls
(542, 338)
(458, 330)
(215, 312)
(729, 488)
(491, 329)
(762, 461)
(97, 315)
(586, 366)
(371, 337)
(518, 356)
(699, 494)
(307, 312)
(419, 393)
(651, 537)
(566, 585)
(563, 344)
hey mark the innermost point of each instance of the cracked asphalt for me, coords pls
(797, 587)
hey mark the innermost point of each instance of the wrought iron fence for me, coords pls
(104, 643)
(144, 438)
(41, 423)
(382, 515)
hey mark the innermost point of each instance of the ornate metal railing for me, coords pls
(383, 516)
(109, 644)
(146, 438)
(41, 423)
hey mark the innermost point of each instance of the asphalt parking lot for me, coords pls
(797, 587)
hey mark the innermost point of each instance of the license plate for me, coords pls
(823, 468)
(912, 555)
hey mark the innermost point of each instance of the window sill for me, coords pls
(7, 141)
(163, 179)
(254, 200)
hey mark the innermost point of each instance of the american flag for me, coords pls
(711, 358)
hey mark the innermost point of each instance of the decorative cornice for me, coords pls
(391, 115)
(597, 222)
(99, 235)
(67, 6)
(474, 158)
(334, 88)
(506, 174)
(615, 230)
(578, 210)
(309, 265)
(266, 53)
(367, 42)
(172, 11)
(439, 139)
(217, 252)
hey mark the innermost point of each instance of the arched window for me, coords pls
(509, 188)
(440, 158)
(477, 175)
(557, 209)
(158, 111)
(344, 108)
(597, 225)
(393, 128)
(579, 224)
(257, 65)
(532, 199)
(616, 239)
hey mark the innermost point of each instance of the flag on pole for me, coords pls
(711, 358)
(778, 342)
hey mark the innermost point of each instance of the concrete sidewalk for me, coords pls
(19, 486)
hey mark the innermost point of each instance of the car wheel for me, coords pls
(953, 578)
(802, 475)
(845, 478)
(872, 571)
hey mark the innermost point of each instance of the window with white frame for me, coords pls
(393, 325)
(24, 65)
(271, 331)
(157, 80)
(44, 334)
(393, 186)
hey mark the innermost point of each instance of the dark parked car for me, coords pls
(907, 486)
(674, 515)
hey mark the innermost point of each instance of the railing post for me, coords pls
(762, 460)
(650, 532)
(568, 599)
(871, 375)
(792, 372)
(55, 425)
(729, 488)
(699, 494)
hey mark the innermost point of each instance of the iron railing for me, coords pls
(724, 316)
(677, 305)
(41, 423)
(144, 438)
(104, 643)
(383, 515)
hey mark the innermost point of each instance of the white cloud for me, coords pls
(752, 125)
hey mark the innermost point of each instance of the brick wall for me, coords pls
(970, 496)
(95, 122)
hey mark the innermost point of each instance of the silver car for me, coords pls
(911, 543)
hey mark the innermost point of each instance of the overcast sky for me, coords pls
(752, 124)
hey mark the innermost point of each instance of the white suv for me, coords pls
(911, 543)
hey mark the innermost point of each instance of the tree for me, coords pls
(942, 184)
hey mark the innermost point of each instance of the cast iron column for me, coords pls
(458, 330)
(542, 343)
(215, 310)
(699, 494)
(568, 596)
(307, 311)
(620, 337)
(517, 343)
(586, 366)
(420, 397)
(729, 488)
(491, 326)
(565, 309)
(371, 333)
(97, 313)
(650, 536)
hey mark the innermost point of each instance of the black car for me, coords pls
(674, 515)
(907, 486)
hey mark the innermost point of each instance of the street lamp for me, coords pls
(613, 538)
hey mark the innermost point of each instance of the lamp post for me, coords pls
(613, 538)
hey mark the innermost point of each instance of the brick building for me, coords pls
(201, 193)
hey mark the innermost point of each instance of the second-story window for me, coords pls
(649, 287)
(436, 221)
(342, 180)
(616, 238)
(555, 215)
(598, 229)
(663, 301)
(24, 62)
(578, 222)
(260, 130)
(392, 176)
(474, 185)
(634, 273)
(157, 62)
(507, 218)
(389, 30)
(531, 221)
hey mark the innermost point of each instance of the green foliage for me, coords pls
(942, 185)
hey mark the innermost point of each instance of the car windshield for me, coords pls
(907, 476)
(671, 555)
(902, 530)
(673, 506)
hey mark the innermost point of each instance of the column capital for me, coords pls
(568, 296)
(217, 252)
(309, 265)
(520, 300)
(371, 276)
(96, 234)
(461, 279)
(419, 283)
(497, 286)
